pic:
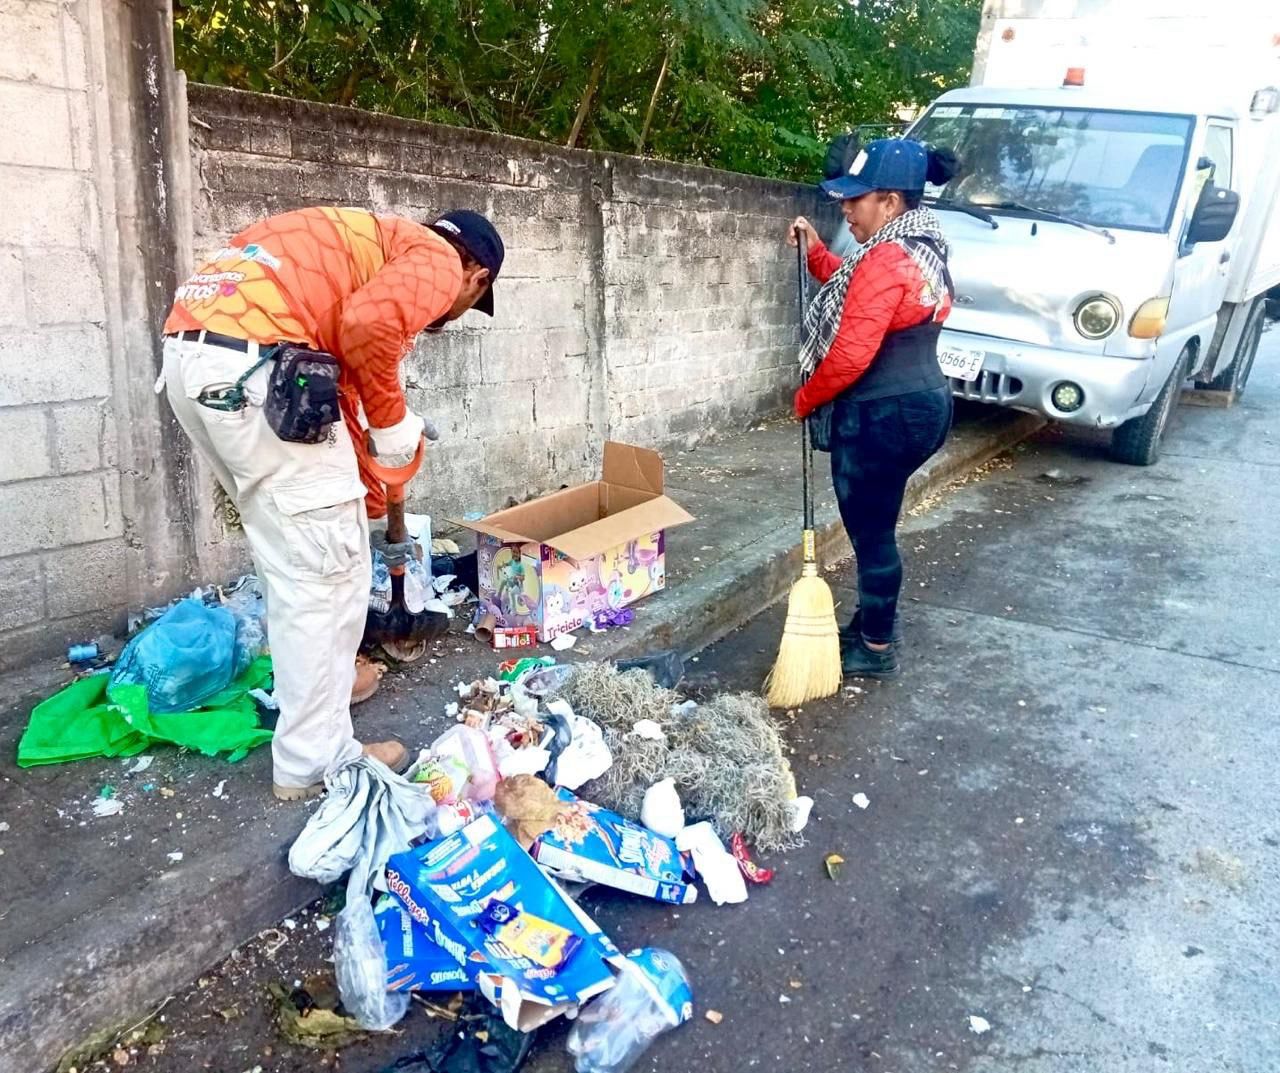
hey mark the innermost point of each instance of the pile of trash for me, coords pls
(457, 870)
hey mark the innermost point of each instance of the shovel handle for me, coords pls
(395, 478)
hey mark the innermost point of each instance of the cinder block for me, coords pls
(56, 512)
(511, 356)
(560, 403)
(13, 299)
(30, 43)
(340, 185)
(261, 177)
(21, 591)
(57, 365)
(442, 361)
(37, 126)
(78, 434)
(90, 577)
(46, 208)
(270, 141)
(500, 410)
(64, 287)
(24, 434)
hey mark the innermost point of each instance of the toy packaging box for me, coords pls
(560, 561)
(591, 844)
(446, 885)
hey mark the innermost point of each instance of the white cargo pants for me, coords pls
(303, 511)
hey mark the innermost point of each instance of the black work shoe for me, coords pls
(853, 630)
(859, 661)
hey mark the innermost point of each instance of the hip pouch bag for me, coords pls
(302, 394)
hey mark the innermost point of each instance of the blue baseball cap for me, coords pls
(885, 164)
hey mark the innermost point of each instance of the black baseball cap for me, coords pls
(478, 237)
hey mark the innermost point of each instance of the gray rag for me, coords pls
(369, 814)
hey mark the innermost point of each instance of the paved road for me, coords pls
(1074, 820)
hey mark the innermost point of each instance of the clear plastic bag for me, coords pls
(417, 586)
(360, 965)
(471, 747)
(185, 656)
(245, 600)
(651, 996)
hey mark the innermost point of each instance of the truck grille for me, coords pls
(989, 387)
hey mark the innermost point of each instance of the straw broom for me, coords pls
(808, 664)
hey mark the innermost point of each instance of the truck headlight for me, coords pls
(1148, 321)
(1097, 317)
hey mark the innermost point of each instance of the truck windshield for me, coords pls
(1109, 169)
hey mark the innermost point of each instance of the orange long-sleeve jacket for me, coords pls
(346, 281)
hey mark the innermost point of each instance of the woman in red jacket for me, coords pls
(871, 349)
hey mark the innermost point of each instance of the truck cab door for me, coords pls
(1202, 268)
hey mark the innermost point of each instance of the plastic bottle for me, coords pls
(651, 996)
(380, 587)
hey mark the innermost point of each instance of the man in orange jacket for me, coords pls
(360, 287)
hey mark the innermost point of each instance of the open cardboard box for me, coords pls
(557, 562)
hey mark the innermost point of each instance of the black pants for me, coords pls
(875, 447)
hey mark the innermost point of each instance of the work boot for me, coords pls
(368, 679)
(391, 753)
(852, 631)
(859, 661)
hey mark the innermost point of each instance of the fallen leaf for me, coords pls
(314, 1027)
(833, 861)
(714, 1016)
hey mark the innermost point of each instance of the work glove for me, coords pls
(392, 553)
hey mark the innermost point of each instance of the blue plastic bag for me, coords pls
(184, 657)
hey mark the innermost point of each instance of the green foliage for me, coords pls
(753, 85)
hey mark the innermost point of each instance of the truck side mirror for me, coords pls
(1214, 215)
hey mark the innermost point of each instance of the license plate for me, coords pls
(961, 363)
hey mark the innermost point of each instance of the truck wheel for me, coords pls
(1236, 375)
(1137, 441)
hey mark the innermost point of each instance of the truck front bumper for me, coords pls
(1023, 376)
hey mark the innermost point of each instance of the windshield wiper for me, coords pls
(1057, 217)
(966, 207)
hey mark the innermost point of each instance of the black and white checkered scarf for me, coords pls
(822, 318)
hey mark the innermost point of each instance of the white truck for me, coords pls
(1114, 226)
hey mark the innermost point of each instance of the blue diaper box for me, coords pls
(414, 961)
(445, 885)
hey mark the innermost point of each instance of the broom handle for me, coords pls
(806, 447)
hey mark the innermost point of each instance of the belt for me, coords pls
(214, 339)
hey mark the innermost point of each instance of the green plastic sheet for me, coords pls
(90, 718)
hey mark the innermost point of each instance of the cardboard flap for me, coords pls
(633, 466)
(486, 526)
(582, 543)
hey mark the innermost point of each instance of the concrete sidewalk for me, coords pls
(101, 920)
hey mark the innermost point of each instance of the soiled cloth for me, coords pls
(91, 717)
(369, 814)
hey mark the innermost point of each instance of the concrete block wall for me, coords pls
(639, 300)
(62, 532)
